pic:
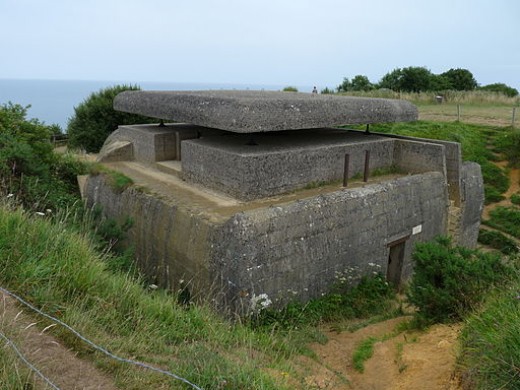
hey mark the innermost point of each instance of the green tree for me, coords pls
(345, 86)
(361, 83)
(392, 80)
(95, 119)
(410, 79)
(460, 79)
(440, 83)
(500, 88)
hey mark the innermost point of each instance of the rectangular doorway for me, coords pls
(395, 263)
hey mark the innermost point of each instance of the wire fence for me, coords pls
(87, 341)
(11, 344)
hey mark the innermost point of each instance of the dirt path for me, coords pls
(514, 188)
(46, 353)
(407, 361)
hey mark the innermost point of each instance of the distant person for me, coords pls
(314, 90)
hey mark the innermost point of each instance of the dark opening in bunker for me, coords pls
(395, 262)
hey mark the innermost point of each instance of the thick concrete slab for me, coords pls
(262, 111)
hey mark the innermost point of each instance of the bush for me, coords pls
(290, 89)
(449, 281)
(95, 119)
(501, 88)
(29, 168)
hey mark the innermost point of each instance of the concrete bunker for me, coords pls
(247, 198)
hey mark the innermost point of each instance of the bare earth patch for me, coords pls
(408, 361)
(46, 353)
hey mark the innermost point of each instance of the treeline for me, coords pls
(420, 79)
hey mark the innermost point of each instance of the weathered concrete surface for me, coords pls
(279, 162)
(261, 111)
(291, 250)
(472, 204)
(149, 143)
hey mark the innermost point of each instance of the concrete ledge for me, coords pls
(261, 111)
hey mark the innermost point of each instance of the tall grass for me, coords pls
(58, 271)
(457, 97)
(491, 343)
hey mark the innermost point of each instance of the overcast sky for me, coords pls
(285, 42)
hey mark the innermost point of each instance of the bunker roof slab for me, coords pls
(263, 111)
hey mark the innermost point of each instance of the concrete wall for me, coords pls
(297, 250)
(150, 143)
(250, 172)
(453, 157)
(290, 251)
(472, 204)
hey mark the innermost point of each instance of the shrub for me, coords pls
(95, 119)
(449, 281)
(290, 89)
(501, 88)
(29, 168)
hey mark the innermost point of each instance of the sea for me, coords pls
(53, 101)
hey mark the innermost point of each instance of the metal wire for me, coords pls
(97, 347)
(27, 362)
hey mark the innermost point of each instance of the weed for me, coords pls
(515, 199)
(118, 181)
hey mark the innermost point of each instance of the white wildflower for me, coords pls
(10, 195)
(260, 302)
(39, 213)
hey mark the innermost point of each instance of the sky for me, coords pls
(263, 42)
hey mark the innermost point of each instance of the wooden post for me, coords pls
(458, 112)
(514, 117)
(345, 170)
(367, 165)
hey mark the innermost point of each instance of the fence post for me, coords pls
(458, 112)
(514, 117)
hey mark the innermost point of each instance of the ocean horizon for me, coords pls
(53, 101)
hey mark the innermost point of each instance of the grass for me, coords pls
(497, 240)
(475, 98)
(490, 356)
(60, 271)
(506, 219)
(515, 199)
(363, 352)
(474, 140)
